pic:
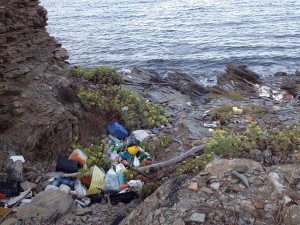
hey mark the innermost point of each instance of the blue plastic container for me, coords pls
(117, 130)
(60, 180)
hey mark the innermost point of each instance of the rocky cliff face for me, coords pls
(34, 120)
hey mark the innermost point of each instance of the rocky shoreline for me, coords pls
(40, 118)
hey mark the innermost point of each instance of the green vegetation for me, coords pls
(230, 144)
(194, 165)
(156, 145)
(225, 144)
(224, 112)
(125, 106)
(100, 75)
(116, 103)
(130, 175)
(148, 189)
(96, 155)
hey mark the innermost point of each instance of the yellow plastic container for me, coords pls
(133, 150)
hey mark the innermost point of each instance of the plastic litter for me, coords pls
(117, 130)
(120, 168)
(22, 195)
(133, 150)
(114, 156)
(135, 185)
(277, 96)
(79, 156)
(264, 91)
(51, 187)
(64, 188)
(236, 110)
(67, 166)
(124, 197)
(111, 180)
(97, 182)
(60, 180)
(140, 134)
(210, 125)
(2, 196)
(136, 162)
(79, 189)
(17, 157)
(287, 96)
(10, 188)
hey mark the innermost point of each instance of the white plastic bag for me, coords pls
(112, 181)
(136, 162)
(120, 168)
(79, 189)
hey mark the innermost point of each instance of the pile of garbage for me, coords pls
(74, 184)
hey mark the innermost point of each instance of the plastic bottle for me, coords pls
(120, 168)
(111, 180)
(134, 184)
(79, 189)
(60, 180)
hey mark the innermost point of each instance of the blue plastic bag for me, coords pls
(117, 130)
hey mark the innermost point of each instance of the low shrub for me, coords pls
(280, 142)
(125, 106)
(194, 165)
(96, 155)
(101, 75)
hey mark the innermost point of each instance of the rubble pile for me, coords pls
(236, 191)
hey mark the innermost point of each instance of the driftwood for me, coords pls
(177, 159)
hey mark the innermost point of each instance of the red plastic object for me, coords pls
(148, 162)
(2, 196)
(124, 186)
(287, 96)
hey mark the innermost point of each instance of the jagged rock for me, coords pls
(83, 212)
(197, 217)
(239, 80)
(232, 202)
(32, 121)
(243, 72)
(219, 166)
(10, 221)
(207, 190)
(185, 84)
(179, 221)
(193, 186)
(28, 186)
(47, 206)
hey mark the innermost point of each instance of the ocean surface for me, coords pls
(198, 37)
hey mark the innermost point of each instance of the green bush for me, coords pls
(194, 165)
(225, 144)
(280, 142)
(96, 155)
(101, 75)
(284, 142)
(125, 106)
(156, 145)
(149, 188)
